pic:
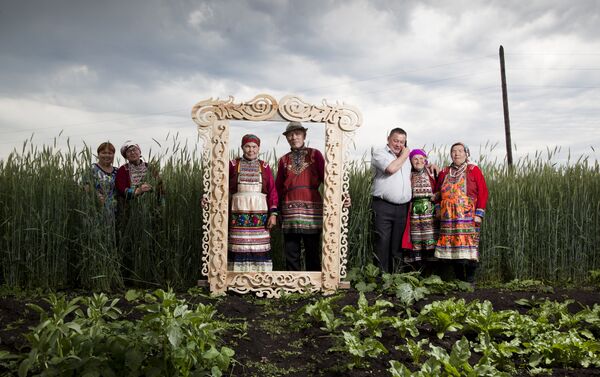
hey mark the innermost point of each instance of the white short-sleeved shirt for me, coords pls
(394, 188)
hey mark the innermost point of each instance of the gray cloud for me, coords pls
(431, 66)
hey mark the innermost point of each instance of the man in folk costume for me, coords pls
(300, 172)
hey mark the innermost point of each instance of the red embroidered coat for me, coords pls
(299, 175)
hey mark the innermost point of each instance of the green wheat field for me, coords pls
(542, 221)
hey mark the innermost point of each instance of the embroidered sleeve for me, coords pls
(271, 191)
(280, 180)
(232, 176)
(122, 181)
(482, 190)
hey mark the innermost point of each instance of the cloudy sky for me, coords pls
(95, 70)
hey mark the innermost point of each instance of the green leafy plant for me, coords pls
(170, 340)
(414, 349)
(525, 328)
(444, 316)
(360, 348)
(440, 363)
(405, 325)
(186, 338)
(498, 354)
(322, 311)
(530, 302)
(587, 320)
(457, 363)
(8, 360)
(364, 278)
(555, 348)
(481, 318)
(406, 286)
(528, 285)
(435, 284)
(54, 335)
(368, 319)
(365, 322)
(594, 277)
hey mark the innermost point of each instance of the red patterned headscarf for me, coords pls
(250, 138)
(128, 144)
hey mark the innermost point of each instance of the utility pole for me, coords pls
(509, 158)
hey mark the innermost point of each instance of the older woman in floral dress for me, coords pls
(253, 210)
(463, 199)
(103, 175)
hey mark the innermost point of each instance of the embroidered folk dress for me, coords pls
(299, 175)
(104, 184)
(129, 177)
(464, 194)
(253, 198)
(424, 228)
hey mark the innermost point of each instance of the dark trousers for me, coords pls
(389, 221)
(465, 270)
(292, 247)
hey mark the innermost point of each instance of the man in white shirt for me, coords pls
(391, 197)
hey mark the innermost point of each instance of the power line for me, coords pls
(417, 83)
(553, 69)
(553, 53)
(395, 74)
(107, 131)
(552, 86)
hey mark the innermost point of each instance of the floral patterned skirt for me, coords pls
(424, 231)
(459, 235)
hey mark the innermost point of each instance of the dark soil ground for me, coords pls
(273, 342)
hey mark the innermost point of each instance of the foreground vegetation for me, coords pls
(87, 336)
(395, 325)
(541, 222)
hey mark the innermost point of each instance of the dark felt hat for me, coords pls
(294, 126)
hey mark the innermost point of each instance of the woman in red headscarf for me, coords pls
(463, 198)
(253, 210)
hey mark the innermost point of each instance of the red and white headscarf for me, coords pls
(128, 144)
(250, 138)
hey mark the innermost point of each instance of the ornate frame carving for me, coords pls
(212, 117)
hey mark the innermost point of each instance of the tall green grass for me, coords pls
(37, 204)
(54, 234)
(542, 221)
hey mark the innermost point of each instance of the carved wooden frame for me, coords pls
(212, 117)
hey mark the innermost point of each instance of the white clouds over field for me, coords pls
(120, 70)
